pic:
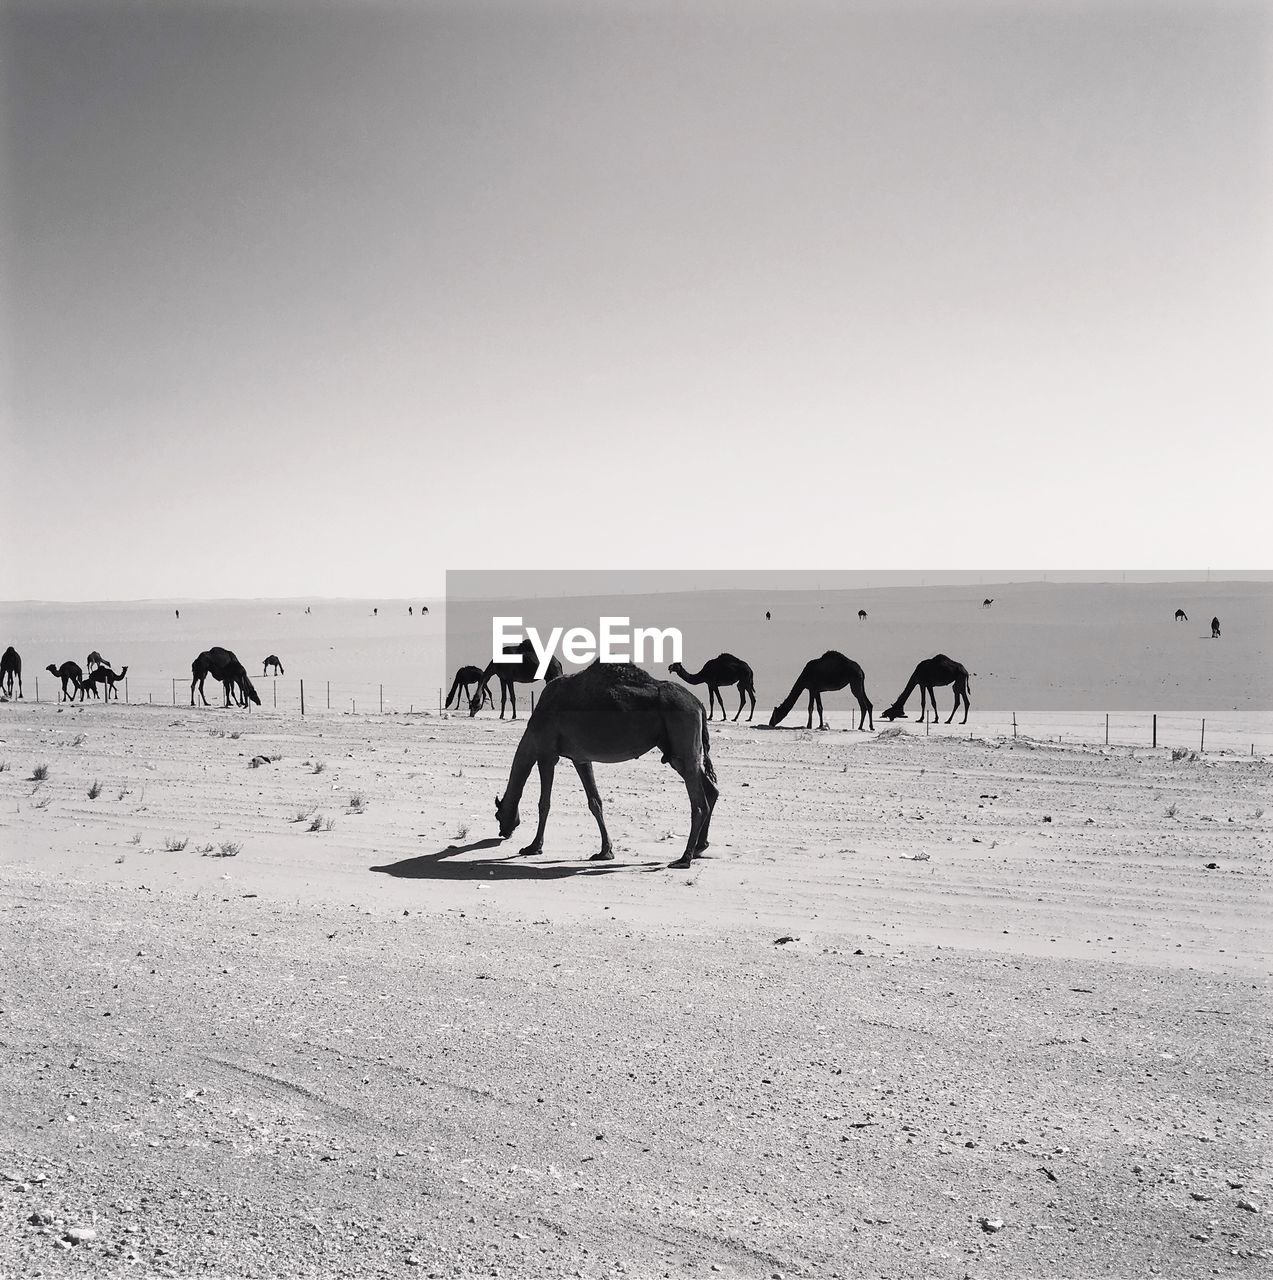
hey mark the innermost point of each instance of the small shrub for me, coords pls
(123, 791)
(227, 849)
(79, 740)
(95, 790)
(204, 849)
(317, 823)
(136, 838)
(462, 831)
(319, 766)
(1172, 810)
(303, 815)
(4, 764)
(357, 802)
(236, 735)
(1259, 813)
(44, 803)
(173, 845)
(39, 773)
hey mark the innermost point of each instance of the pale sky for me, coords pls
(327, 299)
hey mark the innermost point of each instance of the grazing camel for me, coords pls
(1215, 628)
(104, 675)
(934, 671)
(985, 604)
(222, 665)
(95, 659)
(822, 675)
(465, 678)
(511, 674)
(1181, 616)
(861, 615)
(269, 662)
(69, 673)
(10, 666)
(612, 711)
(718, 673)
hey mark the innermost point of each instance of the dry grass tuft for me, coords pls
(39, 773)
(173, 845)
(95, 790)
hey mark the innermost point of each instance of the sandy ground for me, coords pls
(1012, 991)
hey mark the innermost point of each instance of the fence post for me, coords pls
(354, 707)
(276, 692)
(382, 699)
(1107, 728)
(439, 702)
(1203, 742)
(1014, 724)
(302, 695)
(1155, 728)
(329, 695)
(174, 691)
(37, 689)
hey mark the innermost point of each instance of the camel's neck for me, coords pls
(692, 677)
(790, 700)
(910, 688)
(523, 763)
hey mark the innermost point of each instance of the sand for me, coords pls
(923, 984)
(1011, 990)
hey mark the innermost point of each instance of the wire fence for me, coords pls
(1243, 733)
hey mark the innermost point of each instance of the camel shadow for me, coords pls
(438, 866)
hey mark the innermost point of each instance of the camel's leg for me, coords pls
(584, 769)
(751, 694)
(808, 724)
(711, 791)
(512, 697)
(954, 708)
(742, 699)
(546, 767)
(822, 724)
(700, 810)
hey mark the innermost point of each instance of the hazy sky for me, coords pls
(305, 298)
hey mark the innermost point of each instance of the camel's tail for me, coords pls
(708, 767)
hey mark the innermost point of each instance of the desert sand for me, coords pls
(279, 1002)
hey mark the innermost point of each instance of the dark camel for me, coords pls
(511, 674)
(822, 675)
(69, 673)
(985, 604)
(269, 662)
(719, 673)
(932, 672)
(222, 665)
(464, 680)
(1181, 616)
(861, 615)
(95, 659)
(1215, 628)
(10, 666)
(612, 711)
(104, 675)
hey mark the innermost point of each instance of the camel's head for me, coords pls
(507, 817)
(893, 713)
(475, 702)
(675, 668)
(250, 691)
(775, 717)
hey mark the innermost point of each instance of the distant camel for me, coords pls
(768, 615)
(822, 675)
(269, 662)
(861, 615)
(612, 711)
(69, 673)
(177, 612)
(511, 674)
(929, 674)
(1215, 628)
(10, 666)
(95, 659)
(104, 675)
(1181, 616)
(985, 604)
(222, 665)
(718, 673)
(465, 678)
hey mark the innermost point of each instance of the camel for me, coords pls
(986, 603)
(768, 615)
(222, 665)
(719, 672)
(612, 711)
(69, 673)
(934, 671)
(861, 615)
(104, 675)
(465, 678)
(1215, 628)
(269, 662)
(822, 675)
(95, 659)
(510, 675)
(10, 666)
(1181, 616)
